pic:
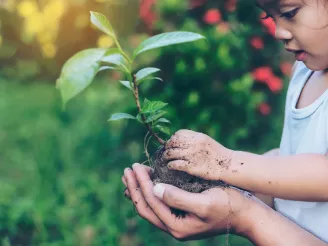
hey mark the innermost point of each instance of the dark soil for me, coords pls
(179, 179)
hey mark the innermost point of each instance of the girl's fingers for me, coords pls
(194, 203)
(175, 154)
(162, 211)
(178, 141)
(139, 201)
(127, 193)
(179, 165)
(185, 132)
(124, 181)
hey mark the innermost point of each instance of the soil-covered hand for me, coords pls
(197, 154)
(212, 212)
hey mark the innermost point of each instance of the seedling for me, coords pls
(80, 70)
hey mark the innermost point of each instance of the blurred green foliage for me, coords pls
(210, 85)
(60, 180)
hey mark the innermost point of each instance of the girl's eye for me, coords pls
(290, 14)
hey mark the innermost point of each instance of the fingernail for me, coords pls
(134, 165)
(159, 191)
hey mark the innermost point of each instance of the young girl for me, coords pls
(296, 174)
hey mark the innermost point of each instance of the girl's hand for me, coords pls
(209, 213)
(197, 154)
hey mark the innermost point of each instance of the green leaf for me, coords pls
(139, 118)
(146, 101)
(155, 116)
(143, 73)
(150, 107)
(163, 129)
(150, 78)
(78, 72)
(102, 23)
(106, 68)
(120, 116)
(113, 51)
(166, 39)
(163, 120)
(114, 56)
(126, 84)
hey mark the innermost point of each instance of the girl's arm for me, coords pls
(268, 200)
(269, 228)
(300, 177)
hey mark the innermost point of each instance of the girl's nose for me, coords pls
(282, 33)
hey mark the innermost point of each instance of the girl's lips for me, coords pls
(300, 55)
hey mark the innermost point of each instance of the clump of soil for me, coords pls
(182, 180)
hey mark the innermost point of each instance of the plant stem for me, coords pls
(143, 118)
(123, 53)
(146, 141)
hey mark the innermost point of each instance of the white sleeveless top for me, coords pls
(305, 131)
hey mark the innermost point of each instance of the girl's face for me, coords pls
(303, 27)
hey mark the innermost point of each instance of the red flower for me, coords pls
(212, 16)
(257, 43)
(262, 73)
(146, 13)
(269, 24)
(230, 5)
(265, 75)
(264, 108)
(286, 68)
(275, 84)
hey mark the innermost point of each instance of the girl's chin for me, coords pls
(314, 65)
